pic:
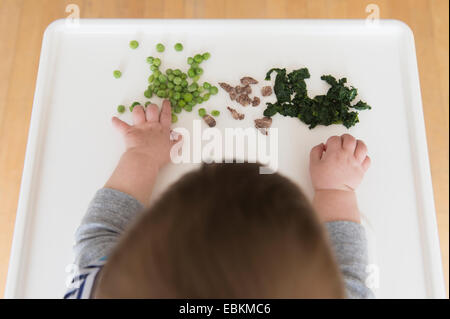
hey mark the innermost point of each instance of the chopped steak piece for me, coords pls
(239, 89)
(209, 120)
(235, 114)
(266, 91)
(243, 100)
(233, 95)
(228, 88)
(263, 124)
(256, 101)
(247, 89)
(246, 80)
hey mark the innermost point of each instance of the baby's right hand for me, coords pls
(340, 164)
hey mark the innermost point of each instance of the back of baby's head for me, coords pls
(224, 231)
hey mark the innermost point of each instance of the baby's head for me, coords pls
(224, 231)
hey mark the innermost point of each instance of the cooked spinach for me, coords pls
(332, 108)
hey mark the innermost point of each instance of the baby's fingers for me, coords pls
(152, 113)
(316, 152)
(165, 118)
(138, 115)
(360, 151)
(120, 125)
(366, 163)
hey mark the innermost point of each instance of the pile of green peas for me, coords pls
(182, 89)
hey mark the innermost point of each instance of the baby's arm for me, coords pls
(337, 169)
(129, 188)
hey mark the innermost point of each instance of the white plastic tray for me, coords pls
(72, 147)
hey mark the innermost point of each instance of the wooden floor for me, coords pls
(22, 23)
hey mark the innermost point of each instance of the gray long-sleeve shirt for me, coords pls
(111, 211)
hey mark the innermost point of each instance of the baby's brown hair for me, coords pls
(224, 231)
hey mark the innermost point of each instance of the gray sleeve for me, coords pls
(349, 244)
(108, 215)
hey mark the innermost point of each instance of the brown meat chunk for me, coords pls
(228, 88)
(263, 124)
(239, 89)
(243, 100)
(235, 114)
(246, 80)
(256, 101)
(209, 120)
(233, 95)
(266, 91)
(247, 89)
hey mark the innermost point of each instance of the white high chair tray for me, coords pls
(72, 147)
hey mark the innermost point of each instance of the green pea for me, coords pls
(206, 85)
(206, 97)
(156, 82)
(198, 71)
(133, 105)
(148, 94)
(169, 93)
(151, 78)
(157, 73)
(215, 113)
(193, 87)
(192, 103)
(171, 77)
(188, 108)
(194, 65)
(163, 86)
(157, 62)
(117, 74)
(174, 118)
(184, 76)
(162, 78)
(150, 60)
(190, 60)
(199, 100)
(195, 94)
(160, 47)
(177, 72)
(177, 80)
(161, 93)
(178, 88)
(187, 97)
(196, 78)
(201, 112)
(191, 72)
(178, 47)
(173, 102)
(198, 58)
(182, 103)
(177, 109)
(177, 95)
(170, 85)
(134, 44)
(213, 90)
(184, 83)
(153, 67)
(206, 55)
(121, 108)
